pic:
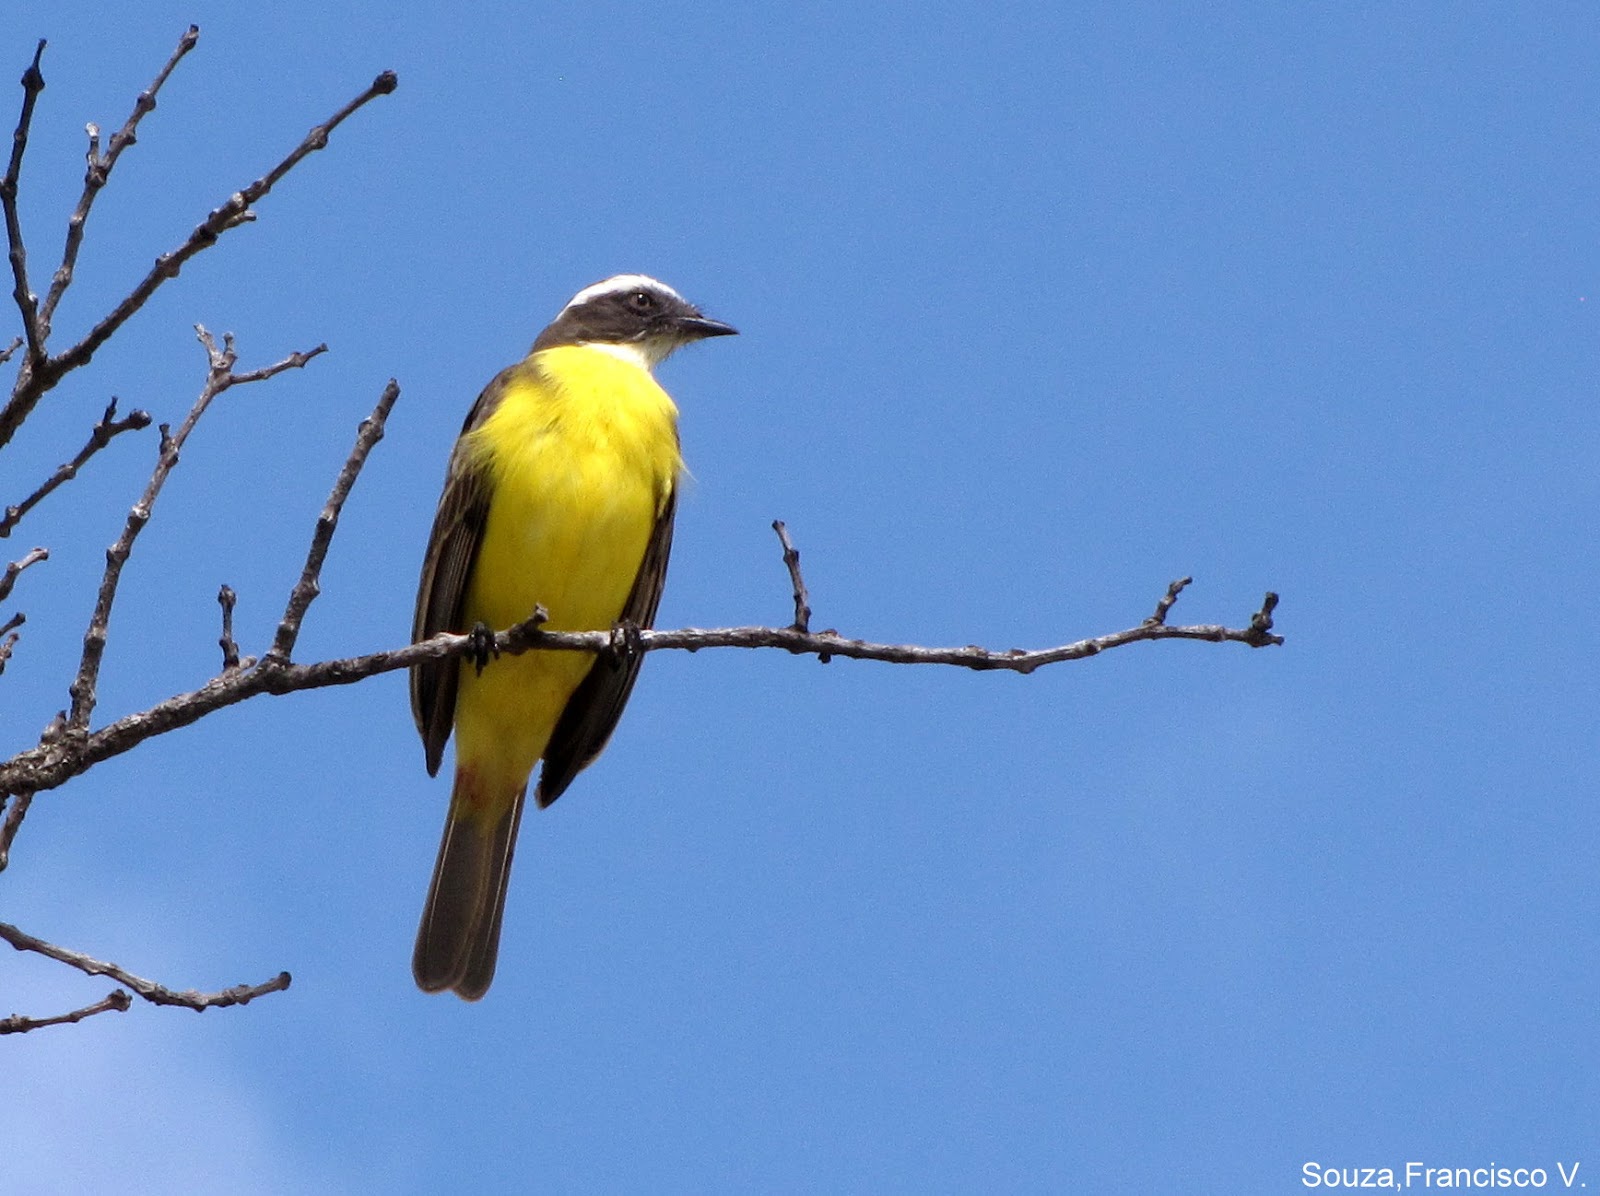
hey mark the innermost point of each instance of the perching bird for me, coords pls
(560, 493)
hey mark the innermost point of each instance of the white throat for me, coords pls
(644, 354)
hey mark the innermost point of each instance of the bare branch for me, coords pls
(34, 382)
(61, 757)
(99, 171)
(116, 1001)
(5, 354)
(230, 649)
(219, 378)
(791, 559)
(307, 588)
(15, 568)
(829, 643)
(108, 428)
(27, 302)
(156, 994)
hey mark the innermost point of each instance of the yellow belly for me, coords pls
(582, 454)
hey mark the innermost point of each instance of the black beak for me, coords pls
(698, 327)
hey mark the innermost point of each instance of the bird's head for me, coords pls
(632, 315)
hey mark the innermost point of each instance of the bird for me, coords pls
(560, 493)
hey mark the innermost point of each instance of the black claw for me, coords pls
(483, 645)
(626, 642)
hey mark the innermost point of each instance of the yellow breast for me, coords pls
(581, 455)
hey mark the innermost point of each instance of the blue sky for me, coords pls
(1040, 310)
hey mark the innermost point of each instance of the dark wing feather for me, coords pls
(592, 712)
(442, 591)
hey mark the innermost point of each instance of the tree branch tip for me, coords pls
(239, 994)
(33, 78)
(227, 599)
(385, 83)
(116, 1001)
(1260, 631)
(1159, 617)
(791, 561)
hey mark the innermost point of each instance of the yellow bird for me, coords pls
(560, 492)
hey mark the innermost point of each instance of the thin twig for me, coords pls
(1167, 600)
(230, 648)
(116, 1001)
(15, 568)
(62, 757)
(219, 378)
(307, 588)
(791, 559)
(15, 813)
(156, 994)
(27, 302)
(98, 172)
(5, 354)
(295, 361)
(33, 383)
(1261, 621)
(8, 579)
(103, 433)
(12, 635)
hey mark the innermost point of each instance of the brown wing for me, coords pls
(442, 591)
(592, 712)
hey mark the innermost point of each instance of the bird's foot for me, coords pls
(483, 645)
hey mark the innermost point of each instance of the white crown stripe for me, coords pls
(621, 282)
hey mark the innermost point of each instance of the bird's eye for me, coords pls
(642, 301)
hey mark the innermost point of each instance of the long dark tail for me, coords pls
(459, 938)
